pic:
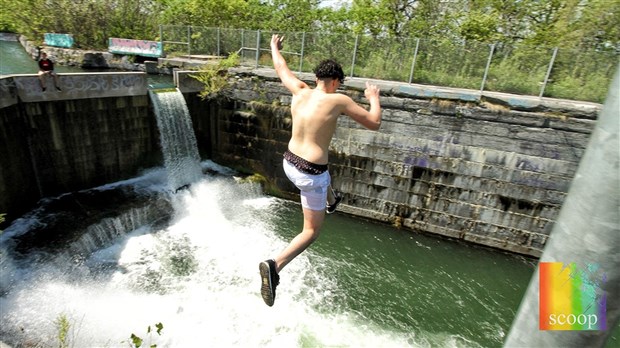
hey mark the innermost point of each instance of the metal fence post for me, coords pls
(189, 41)
(301, 58)
(218, 42)
(415, 56)
(354, 54)
(242, 41)
(161, 39)
(542, 90)
(257, 46)
(486, 69)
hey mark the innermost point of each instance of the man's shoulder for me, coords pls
(341, 98)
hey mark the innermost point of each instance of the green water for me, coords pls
(414, 283)
(15, 60)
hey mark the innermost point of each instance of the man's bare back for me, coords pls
(315, 111)
(315, 114)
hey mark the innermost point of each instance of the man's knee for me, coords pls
(312, 233)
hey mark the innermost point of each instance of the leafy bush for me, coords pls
(214, 76)
(137, 341)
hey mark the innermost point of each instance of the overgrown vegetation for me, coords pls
(455, 37)
(137, 341)
(2, 218)
(62, 327)
(214, 77)
(66, 331)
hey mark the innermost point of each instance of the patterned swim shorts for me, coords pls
(312, 187)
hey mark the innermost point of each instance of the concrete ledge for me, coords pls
(77, 86)
(581, 109)
(8, 92)
(185, 83)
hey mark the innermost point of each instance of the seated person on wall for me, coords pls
(46, 67)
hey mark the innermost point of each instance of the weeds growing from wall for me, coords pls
(215, 77)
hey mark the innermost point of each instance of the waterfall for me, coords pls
(178, 141)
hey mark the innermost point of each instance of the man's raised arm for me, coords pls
(290, 81)
(370, 119)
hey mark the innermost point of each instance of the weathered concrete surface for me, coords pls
(78, 86)
(493, 170)
(587, 233)
(56, 146)
(490, 168)
(8, 92)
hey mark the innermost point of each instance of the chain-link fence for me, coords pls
(518, 69)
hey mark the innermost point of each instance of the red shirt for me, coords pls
(46, 65)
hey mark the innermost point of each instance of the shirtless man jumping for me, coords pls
(315, 112)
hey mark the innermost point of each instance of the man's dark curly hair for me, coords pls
(329, 68)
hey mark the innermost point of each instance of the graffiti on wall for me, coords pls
(137, 47)
(81, 86)
(58, 40)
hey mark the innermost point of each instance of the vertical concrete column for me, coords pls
(587, 231)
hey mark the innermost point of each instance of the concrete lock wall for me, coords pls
(491, 169)
(99, 129)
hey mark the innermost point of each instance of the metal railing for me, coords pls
(517, 69)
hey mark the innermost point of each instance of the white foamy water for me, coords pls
(198, 277)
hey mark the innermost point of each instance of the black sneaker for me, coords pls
(269, 280)
(331, 208)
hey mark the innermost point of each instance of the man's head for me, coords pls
(329, 69)
(43, 55)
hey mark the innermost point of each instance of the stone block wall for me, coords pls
(493, 177)
(49, 147)
(492, 170)
(487, 168)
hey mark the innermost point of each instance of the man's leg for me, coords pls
(269, 269)
(313, 194)
(56, 83)
(333, 200)
(331, 196)
(42, 79)
(313, 220)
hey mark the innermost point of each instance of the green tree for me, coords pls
(510, 16)
(595, 25)
(7, 22)
(207, 13)
(549, 21)
(293, 15)
(336, 21)
(583, 24)
(91, 22)
(480, 26)
(368, 16)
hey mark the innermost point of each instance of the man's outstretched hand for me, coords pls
(276, 41)
(372, 91)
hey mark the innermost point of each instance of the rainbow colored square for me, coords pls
(571, 297)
